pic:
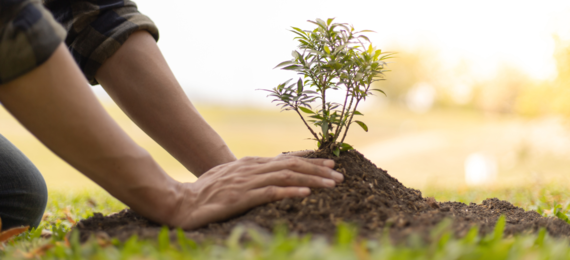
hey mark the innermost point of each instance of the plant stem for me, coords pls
(323, 87)
(355, 106)
(307, 125)
(349, 121)
(339, 127)
(347, 109)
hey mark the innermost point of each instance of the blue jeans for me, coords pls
(23, 191)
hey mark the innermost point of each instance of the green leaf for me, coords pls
(185, 243)
(325, 127)
(336, 152)
(345, 234)
(321, 23)
(301, 35)
(345, 147)
(562, 216)
(364, 37)
(361, 124)
(292, 67)
(306, 110)
(295, 54)
(233, 240)
(379, 90)
(356, 112)
(329, 21)
(299, 86)
(376, 54)
(284, 63)
(299, 30)
(327, 49)
(471, 236)
(540, 238)
(163, 239)
(499, 228)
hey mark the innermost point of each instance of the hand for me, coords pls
(296, 153)
(232, 188)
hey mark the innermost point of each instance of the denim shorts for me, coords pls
(92, 29)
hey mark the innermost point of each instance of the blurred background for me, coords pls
(478, 93)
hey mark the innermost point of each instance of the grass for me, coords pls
(66, 207)
(525, 167)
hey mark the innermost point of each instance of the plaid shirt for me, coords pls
(95, 30)
(28, 37)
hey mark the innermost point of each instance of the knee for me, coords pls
(23, 191)
(37, 197)
(23, 200)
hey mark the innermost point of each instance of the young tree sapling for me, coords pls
(333, 56)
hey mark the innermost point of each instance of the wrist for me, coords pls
(159, 202)
(140, 183)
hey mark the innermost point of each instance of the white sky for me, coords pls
(221, 51)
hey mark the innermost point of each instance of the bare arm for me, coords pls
(54, 102)
(56, 105)
(141, 83)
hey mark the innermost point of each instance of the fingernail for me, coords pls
(328, 182)
(328, 163)
(304, 191)
(337, 176)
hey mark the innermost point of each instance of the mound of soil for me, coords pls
(369, 197)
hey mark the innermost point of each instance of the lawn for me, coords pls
(425, 151)
(64, 208)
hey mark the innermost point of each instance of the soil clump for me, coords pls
(368, 197)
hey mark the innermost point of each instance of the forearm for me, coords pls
(56, 105)
(139, 80)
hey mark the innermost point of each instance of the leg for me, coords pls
(23, 191)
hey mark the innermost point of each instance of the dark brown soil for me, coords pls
(369, 197)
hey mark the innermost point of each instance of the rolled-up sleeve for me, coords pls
(96, 29)
(28, 37)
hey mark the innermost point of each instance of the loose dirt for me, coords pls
(369, 198)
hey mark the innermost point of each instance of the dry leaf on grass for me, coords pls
(46, 216)
(361, 251)
(38, 252)
(10, 233)
(91, 202)
(68, 216)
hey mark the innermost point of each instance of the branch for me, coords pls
(323, 97)
(348, 86)
(339, 127)
(351, 116)
(307, 125)
(348, 109)
(349, 121)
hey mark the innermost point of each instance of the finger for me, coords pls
(298, 165)
(268, 194)
(256, 159)
(285, 178)
(316, 161)
(297, 153)
(260, 160)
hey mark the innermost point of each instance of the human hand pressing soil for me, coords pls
(232, 188)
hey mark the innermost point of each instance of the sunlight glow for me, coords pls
(222, 51)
